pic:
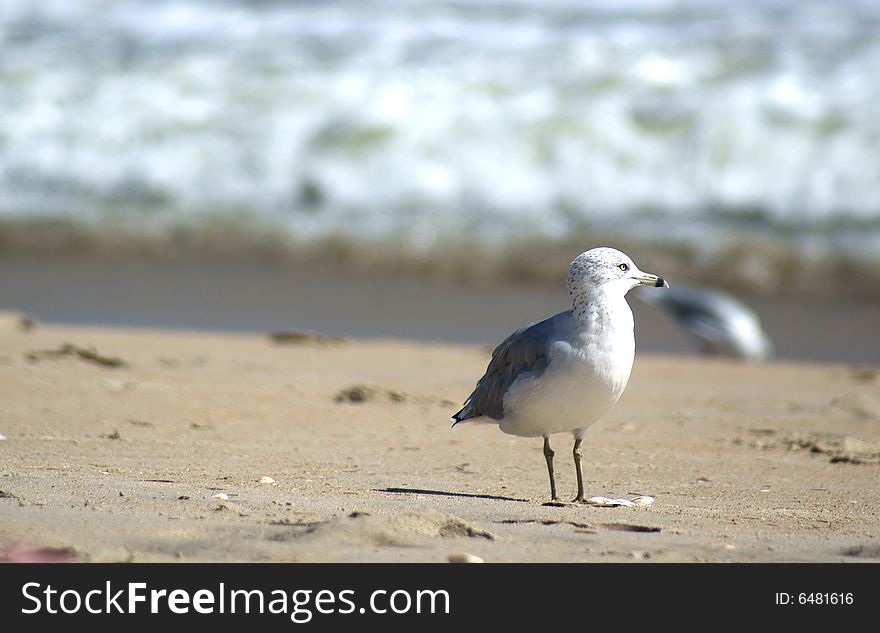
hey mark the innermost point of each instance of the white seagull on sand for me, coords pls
(564, 373)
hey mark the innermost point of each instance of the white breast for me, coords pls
(587, 373)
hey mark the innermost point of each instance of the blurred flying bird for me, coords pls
(720, 324)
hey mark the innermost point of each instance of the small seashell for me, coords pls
(600, 501)
(2, 437)
(464, 557)
(606, 502)
(643, 502)
(222, 496)
(267, 480)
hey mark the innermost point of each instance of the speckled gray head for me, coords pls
(609, 270)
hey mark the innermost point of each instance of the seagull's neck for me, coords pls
(602, 313)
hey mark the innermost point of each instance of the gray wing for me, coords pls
(523, 351)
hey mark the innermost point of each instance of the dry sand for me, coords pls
(776, 462)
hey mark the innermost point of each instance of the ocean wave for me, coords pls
(441, 124)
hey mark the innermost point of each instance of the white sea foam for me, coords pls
(427, 119)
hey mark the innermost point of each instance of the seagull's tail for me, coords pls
(466, 413)
(469, 413)
(458, 417)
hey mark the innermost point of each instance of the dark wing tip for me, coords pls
(457, 417)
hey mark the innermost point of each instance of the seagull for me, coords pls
(564, 373)
(720, 324)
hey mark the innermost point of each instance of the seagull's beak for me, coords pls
(647, 279)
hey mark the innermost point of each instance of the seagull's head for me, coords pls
(608, 269)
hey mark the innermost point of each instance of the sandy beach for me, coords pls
(160, 445)
(254, 255)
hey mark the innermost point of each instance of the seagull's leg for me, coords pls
(548, 455)
(577, 467)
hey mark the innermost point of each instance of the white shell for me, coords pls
(267, 480)
(222, 496)
(606, 502)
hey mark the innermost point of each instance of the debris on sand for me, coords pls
(863, 373)
(578, 525)
(89, 354)
(840, 449)
(631, 527)
(456, 527)
(464, 557)
(304, 337)
(16, 322)
(395, 396)
(357, 393)
(365, 393)
(26, 323)
(405, 529)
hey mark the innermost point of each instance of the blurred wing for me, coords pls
(706, 328)
(724, 323)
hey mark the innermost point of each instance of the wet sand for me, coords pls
(209, 446)
(241, 294)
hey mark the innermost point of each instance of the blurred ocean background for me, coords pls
(695, 123)
(730, 143)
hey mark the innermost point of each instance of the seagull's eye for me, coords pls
(624, 267)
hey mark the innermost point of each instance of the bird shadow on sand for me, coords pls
(443, 493)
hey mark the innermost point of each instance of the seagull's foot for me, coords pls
(556, 503)
(578, 499)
